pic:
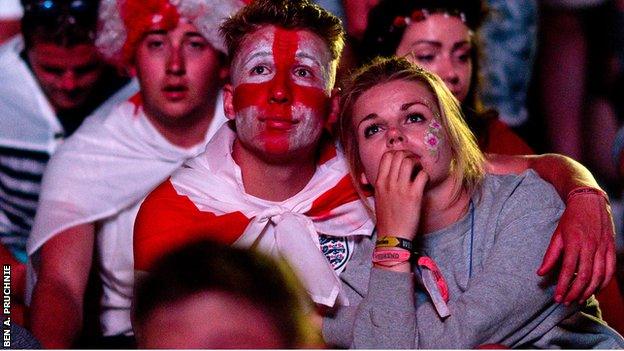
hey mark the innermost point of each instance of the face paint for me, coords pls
(279, 100)
(433, 137)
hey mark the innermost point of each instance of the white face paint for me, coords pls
(281, 88)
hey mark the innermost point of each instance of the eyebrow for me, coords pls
(439, 44)
(257, 54)
(407, 105)
(367, 118)
(311, 57)
(156, 32)
(404, 107)
(193, 35)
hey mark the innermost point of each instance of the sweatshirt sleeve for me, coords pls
(505, 301)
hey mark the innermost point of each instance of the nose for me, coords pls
(448, 72)
(176, 64)
(281, 90)
(394, 138)
(69, 80)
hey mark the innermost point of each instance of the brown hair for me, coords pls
(467, 160)
(206, 266)
(290, 14)
(382, 38)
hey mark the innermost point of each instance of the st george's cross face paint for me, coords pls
(281, 86)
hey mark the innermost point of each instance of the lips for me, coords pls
(279, 123)
(175, 92)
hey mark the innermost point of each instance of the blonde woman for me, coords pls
(452, 263)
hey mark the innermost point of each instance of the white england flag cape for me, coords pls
(206, 199)
(110, 163)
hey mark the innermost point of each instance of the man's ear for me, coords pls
(224, 73)
(131, 71)
(363, 179)
(334, 109)
(228, 101)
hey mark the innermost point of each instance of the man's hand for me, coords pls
(585, 238)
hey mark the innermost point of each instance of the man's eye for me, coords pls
(415, 118)
(302, 72)
(370, 130)
(197, 44)
(53, 70)
(155, 44)
(260, 70)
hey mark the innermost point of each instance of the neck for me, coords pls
(439, 210)
(273, 181)
(186, 131)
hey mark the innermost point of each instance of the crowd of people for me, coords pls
(254, 174)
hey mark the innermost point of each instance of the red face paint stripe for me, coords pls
(167, 220)
(266, 96)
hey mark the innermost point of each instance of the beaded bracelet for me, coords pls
(587, 190)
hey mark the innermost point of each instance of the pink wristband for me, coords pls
(391, 255)
(587, 190)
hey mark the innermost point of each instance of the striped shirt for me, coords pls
(30, 132)
(20, 181)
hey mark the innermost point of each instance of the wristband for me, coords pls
(587, 190)
(388, 255)
(393, 241)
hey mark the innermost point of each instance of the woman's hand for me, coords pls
(584, 239)
(398, 194)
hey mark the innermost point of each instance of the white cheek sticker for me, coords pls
(433, 137)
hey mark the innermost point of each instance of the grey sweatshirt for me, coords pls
(489, 260)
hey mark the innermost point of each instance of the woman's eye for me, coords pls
(464, 57)
(415, 118)
(259, 70)
(425, 58)
(370, 130)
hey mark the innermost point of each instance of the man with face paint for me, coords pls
(272, 178)
(94, 185)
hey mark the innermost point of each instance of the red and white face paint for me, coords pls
(281, 90)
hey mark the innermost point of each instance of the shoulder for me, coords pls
(514, 196)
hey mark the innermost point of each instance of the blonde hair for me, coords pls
(467, 161)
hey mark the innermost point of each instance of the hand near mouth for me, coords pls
(398, 194)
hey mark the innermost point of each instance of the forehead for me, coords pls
(437, 27)
(269, 38)
(61, 56)
(183, 27)
(391, 96)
